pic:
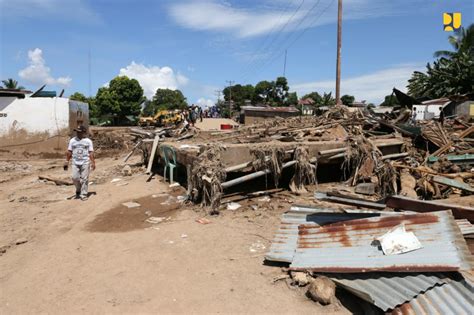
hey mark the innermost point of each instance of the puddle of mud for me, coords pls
(123, 219)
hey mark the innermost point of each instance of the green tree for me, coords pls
(240, 93)
(12, 84)
(79, 97)
(327, 99)
(292, 99)
(390, 100)
(347, 99)
(315, 96)
(462, 42)
(122, 98)
(452, 73)
(263, 92)
(443, 78)
(165, 99)
(279, 92)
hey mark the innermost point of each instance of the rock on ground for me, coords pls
(322, 290)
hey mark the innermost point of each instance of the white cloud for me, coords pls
(212, 15)
(39, 73)
(76, 10)
(371, 87)
(153, 77)
(205, 102)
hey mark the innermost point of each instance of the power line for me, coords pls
(275, 56)
(280, 31)
(290, 33)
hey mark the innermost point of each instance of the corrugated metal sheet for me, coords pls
(465, 226)
(349, 246)
(453, 298)
(388, 290)
(285, 240)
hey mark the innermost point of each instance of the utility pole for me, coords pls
(284, 64)
(89, 68)
(218, 94)
(338, 61)
(230, 96)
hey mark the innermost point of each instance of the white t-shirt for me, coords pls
(80, 149)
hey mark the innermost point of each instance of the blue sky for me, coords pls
(196, 46)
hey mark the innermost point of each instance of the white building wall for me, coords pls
(426, 111)
(34, 115)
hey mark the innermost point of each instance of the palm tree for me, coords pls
(12, 84)
(462, 42)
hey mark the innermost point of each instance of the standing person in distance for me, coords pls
(81, 151)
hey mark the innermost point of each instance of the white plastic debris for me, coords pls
(233, 206)
(264, 199)
(174, 185)
(131, 204)
(257, 246)
(187, 146)
(169, 201)
(155, 220)
(184, 235)
(182, 198)
(399, 241)
(115, 180)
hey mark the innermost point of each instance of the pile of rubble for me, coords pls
(378, 157)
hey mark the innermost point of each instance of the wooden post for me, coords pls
(338, 61)
(152, 155)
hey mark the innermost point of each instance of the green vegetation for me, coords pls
(453, 71)
(12, 84)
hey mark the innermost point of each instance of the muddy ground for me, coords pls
(60, 255)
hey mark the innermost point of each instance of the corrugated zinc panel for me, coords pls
(350, 246)
(453, 298)
(284, 242)
(388, 290)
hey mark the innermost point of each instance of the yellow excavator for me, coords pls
(162, 118)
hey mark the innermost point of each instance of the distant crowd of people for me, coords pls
(193, 113)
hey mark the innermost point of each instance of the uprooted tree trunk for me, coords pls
(305, 172)
(269, 158)
(207, 174)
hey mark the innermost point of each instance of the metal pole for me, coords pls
(338, 61)
(248, 177)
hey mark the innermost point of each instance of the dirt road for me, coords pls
(100, 257)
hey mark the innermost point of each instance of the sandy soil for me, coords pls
(97, 256)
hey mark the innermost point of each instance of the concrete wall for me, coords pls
(426, 111)
(39, 125)
(252, 117)
(465, 109)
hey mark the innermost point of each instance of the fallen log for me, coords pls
(59, 182)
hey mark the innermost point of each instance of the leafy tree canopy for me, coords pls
(240, 93)
(165, 99)
(347, 99)
(452, 73)
(79, 97)
(390, 100)
(12, 84)
(123, 97)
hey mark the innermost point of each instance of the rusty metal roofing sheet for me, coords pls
(284, 242)
(453, 298)
(465, 226)
(349, 246)
(388, 290)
